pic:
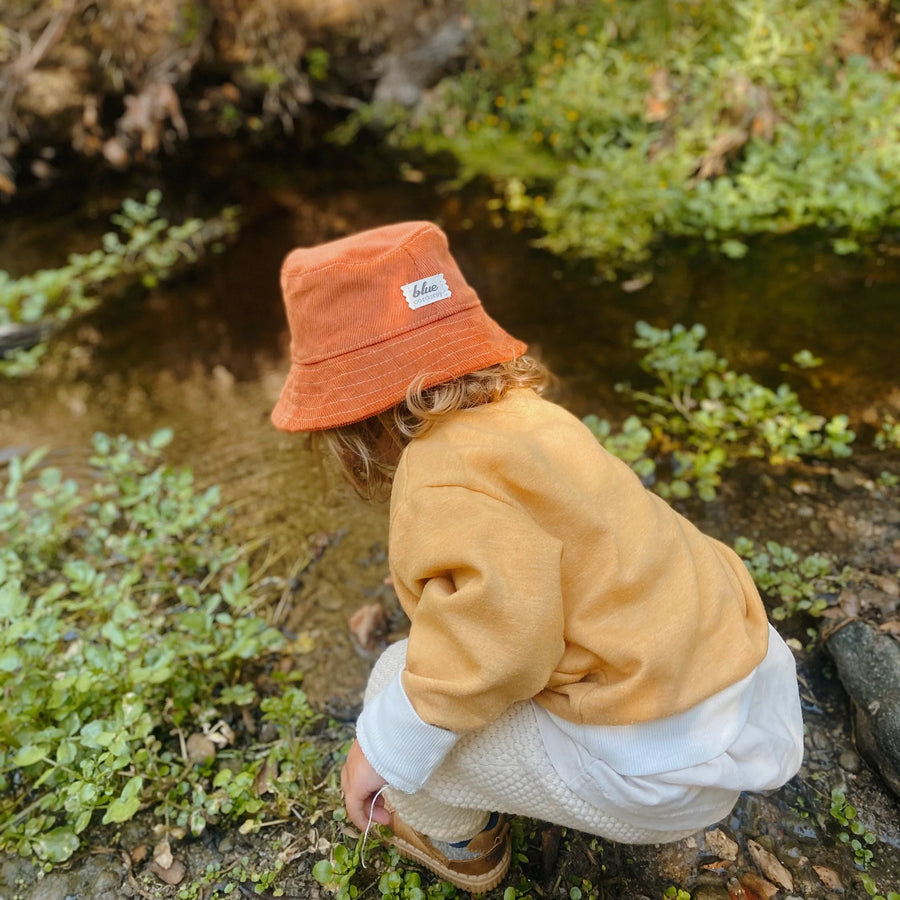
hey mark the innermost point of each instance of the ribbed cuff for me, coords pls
(401, 748)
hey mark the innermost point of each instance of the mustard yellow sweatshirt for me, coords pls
(533, 563)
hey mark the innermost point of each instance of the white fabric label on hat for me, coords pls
(426, 290)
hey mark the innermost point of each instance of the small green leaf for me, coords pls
(161, 438)
(323, 871)
(56, 846)
(128, 803)
(30, 754)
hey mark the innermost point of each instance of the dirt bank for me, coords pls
(125, 80)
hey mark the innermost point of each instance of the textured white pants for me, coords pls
(502, 768)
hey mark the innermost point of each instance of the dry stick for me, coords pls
(28, 59)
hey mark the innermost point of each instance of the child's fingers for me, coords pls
(379, 812)
(360, 784)
(355, 810)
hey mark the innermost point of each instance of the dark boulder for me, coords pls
(868, 664)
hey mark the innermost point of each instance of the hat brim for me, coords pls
(353, 386)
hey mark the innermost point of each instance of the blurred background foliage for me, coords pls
(611, 125)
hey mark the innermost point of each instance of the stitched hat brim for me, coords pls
(361, 383)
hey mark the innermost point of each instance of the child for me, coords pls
(578, 652)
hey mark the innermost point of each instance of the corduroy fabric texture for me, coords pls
(501, 768)
(364, 325)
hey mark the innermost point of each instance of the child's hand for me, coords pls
(360, 782)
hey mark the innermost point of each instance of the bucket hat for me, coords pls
(372, 312)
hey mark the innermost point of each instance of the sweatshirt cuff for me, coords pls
(401, 748)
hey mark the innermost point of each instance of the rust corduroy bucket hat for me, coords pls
(369, 314)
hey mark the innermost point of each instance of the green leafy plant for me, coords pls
(676, 893)
(248, 871)
(701, 417)
(797, 584)
(888, 435)
(856, 836)
(144, 249)
(126, 629)
(613, 125)
(871, 889)
(337, 873)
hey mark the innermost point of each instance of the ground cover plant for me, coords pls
(612, 125)
(699, 417)
(143, 249)
(130, 660)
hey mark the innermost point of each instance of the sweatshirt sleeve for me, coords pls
(481, 583)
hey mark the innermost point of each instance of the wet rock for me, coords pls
(868, 664)
(803, 829)
(23, 335)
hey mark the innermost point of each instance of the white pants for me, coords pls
(502, 768)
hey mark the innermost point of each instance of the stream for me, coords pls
(206, 357)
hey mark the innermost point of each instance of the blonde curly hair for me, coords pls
(368, 451)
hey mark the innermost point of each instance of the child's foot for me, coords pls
(476, 865)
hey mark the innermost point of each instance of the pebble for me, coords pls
(850, 761)
(226, 845)
(108, 882)
(846, 481)
(267, 733)
(803, 829)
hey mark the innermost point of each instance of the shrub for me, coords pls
(701, 418)
(612, 125)
(126, 628)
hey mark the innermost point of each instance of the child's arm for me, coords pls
(360, 783)
(481, 582)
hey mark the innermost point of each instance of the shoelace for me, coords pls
(362, 852)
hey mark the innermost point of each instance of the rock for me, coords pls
(868, 664)
(173, 874)
(17, 335)
(200, 748)
(719, 843)
(829, 878)
(845, 480)
(849, 761)
(407, 74)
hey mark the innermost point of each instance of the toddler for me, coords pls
(578, 651)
